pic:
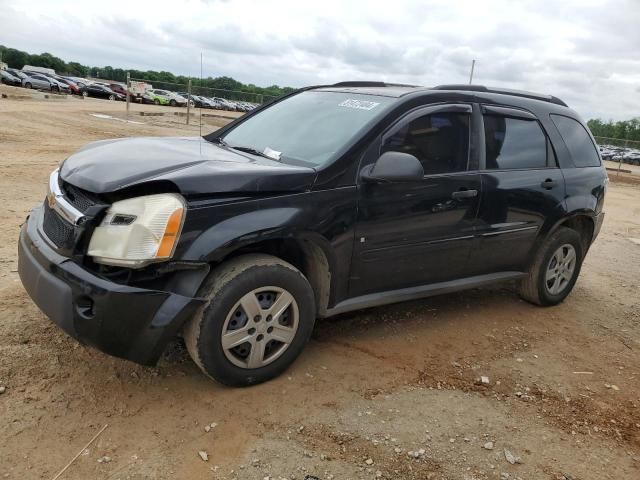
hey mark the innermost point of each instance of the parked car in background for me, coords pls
(164, 97)
(9, 79)
(119, 88)
(222, 104)
(31, 68)
(208, 102)
(17, 73)
(81, 82)
(99, 90)
(197, 101)
(73, 87)
(43, 82)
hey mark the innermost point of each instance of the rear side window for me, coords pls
(513, 143)
(581, 147)
(439, 140)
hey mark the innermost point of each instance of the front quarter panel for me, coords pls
(215, 229)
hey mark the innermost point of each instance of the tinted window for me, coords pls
(514, 143)
(578, 141)
(440, 141)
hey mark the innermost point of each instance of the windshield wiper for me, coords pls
(241, 148)
(252, 151)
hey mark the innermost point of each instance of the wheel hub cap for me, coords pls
(260, 327)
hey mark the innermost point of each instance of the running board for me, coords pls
(413, 293)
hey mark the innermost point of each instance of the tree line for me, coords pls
(18, 59)
(623, 130)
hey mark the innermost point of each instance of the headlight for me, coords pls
(138, 231)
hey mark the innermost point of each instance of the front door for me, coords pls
(419, 232)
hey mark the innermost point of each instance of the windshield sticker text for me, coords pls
(359, 104)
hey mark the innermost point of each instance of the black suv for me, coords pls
(330, 199)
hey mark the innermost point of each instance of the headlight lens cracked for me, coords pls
(138, 231)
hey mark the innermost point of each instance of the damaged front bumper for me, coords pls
(121, 320)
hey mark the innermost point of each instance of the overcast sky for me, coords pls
(587, 52)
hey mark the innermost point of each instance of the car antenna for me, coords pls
(200, 88)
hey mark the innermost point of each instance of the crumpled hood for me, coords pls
(194, 165)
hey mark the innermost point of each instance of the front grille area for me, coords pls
(59, 231)
(79, 198)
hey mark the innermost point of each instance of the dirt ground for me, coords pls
(386, 393)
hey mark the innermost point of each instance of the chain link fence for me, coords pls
(234, 95)
(146, 91)
(618, 142)
(619, 150)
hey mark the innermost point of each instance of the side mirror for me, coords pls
(394, 167)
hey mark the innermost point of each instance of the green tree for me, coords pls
(14, 58)
(76, 69)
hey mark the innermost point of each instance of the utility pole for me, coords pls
(473, 64)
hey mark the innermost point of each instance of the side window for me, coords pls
(581, 147)
(513, 143)
(439, 140)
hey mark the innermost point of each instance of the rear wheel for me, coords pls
(112, 97)
(259, 316)
(85, 93)
(27, 85)
(555, 269)
(156, 101)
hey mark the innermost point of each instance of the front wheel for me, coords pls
(156, 101)
(27, 85)
(555, 268)
(258, 317)
(172, 103)
(112, 97)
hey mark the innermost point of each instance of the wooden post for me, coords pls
(128, 94)
(188, 100)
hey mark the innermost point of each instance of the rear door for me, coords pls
(420, 232)
(522, 188)
(40, 81)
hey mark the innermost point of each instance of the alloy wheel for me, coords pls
(560, 269)
(260, 327)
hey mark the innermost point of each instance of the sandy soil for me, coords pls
(563, 393)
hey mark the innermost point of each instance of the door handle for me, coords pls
(460, 194)
(548, 184)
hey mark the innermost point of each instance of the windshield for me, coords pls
(308, 128)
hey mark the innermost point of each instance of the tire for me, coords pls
(172, 103)
(112, 97)
(156, 101)
(257, 277)
(540, 286)
(85, 94)
(27, 85)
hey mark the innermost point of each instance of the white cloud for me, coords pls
(584, 51)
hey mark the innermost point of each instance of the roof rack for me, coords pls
(504, 91)
(369, 84)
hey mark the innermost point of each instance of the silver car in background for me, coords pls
(42, 82)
